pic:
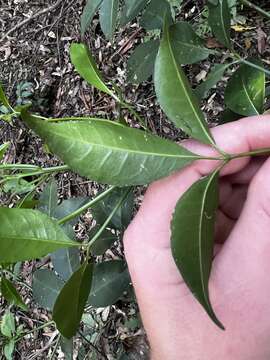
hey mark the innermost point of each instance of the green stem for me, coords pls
(49, 323)
(249, 63)
(38, 169)
(19, 167)
(256, 7)
(91, 344)
(28, 196)
(44, 171)
(86, 206)
(105, 224)
(259, 152)
(135, 114)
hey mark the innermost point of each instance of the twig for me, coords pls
(255, 7)
(92, 345)
(31, 18)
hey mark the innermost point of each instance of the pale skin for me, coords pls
(177, 326)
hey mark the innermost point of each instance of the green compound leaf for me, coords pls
(212, 79)
(153, 17)
(89, 11)
(108, 17)
(71, 301)
(187, 46)
(46, 287)
(10, 293)
(219, 20)
(192, 238)
(175, 94)
(85, 64)
(110, 280)
(3, 149)
(28, 234)
(142, 62)
(245, 92)
(111, 153)
(131, 9)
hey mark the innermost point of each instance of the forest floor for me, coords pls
(37, 52)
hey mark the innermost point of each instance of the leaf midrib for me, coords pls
(223, 25)
(34, 239)
(248, 96)
(183, 86)
(197, 46)
(128, 150)
(205, 292)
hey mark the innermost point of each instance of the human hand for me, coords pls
(176, 324)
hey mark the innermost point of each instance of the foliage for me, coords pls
(112, 153)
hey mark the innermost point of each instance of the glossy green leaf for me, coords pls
(85, 64)
(89, 11)
(122, 217)
(175, 95)
(72, 300)
(111, 153)
(110, 280)
(219, 20)
(8, 324)
(67, 347)
(186, 45)
(18, 186)
(153, 16)
(46, 287)
(48, 199)
(3, 98)
(229, 116)
(108, 17)
(3, 149)
(212, 79)
(66, 262)
(245, 92)
(192, 237)
(9, 349)
(28, 234)
(131, 9)
(103, 243)
(141, 63)
(68, 206)
(10, 293)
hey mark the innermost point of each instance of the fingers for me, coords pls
(245, 176)
(233, 204)
(223, 228)
(247, 249)
(161, 197)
